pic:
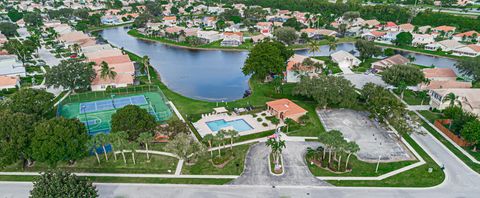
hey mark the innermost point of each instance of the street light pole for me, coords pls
(86, 119)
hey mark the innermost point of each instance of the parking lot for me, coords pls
(374, 141)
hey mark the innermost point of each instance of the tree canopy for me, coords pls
(31, 101)
(399, 74)
(16, 130)
(59, 139)
(133, 120)
(404, 39)
(266, 58)
(470, 67)
(367, 49)
(287, 35)
(33, 19)
(328, 91)
(293, 23)
(186, 148)
(471, 132)
(71, 74)
(8, 29)
(62, 184)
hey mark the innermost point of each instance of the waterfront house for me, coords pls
(209, 36)
(407, 27)
(422, 39)
(471, 50)
(439, 74)
(297, 68)
(284, 108)
(264, 27)
(390, 61)
(447, 31)
(169, 20)
(11, 66)
(209, 22)
(110, 19)
(445, 45)
(373, 35)
(370, 23)
(441, 84)
(258, 38)
(345, 59)
(232, 39)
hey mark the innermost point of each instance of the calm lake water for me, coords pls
(214, 75)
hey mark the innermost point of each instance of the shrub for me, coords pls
(264, 124)
(254, 115)
(259, 119)
(264, 114)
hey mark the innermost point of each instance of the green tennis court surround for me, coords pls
(95, 109)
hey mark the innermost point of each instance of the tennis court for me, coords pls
(97, 114)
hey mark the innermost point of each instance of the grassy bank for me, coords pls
(421, 51)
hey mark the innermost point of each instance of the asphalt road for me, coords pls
(460, 182)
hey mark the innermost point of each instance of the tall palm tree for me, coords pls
(232, 135)
(146, 65)
(93, 144)
(120, 141)
(132, 146)
(112, 138)
(220, 139)
(76, 48)
(144, 138)
(277, 147)
(103, 140)
(402, 86)
(351, 148)
(106, 71)
(332, 46)
(313, 46)
(452, 98)
(209, 139)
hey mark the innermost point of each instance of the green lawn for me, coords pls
(158, 164)
(417, 177)
(415, 49)
(412, 97)
(365, 65)
(204, 165)
(330, 65)
(431, 116)
(360, 168)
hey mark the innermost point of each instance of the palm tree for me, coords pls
(93, 144)
(219, 137)
(76, 48)
(402, 86)
(144, 138)
(112, 137)
(132, 146)
(277, 147)
(120, 142)
(452, 98)
(332, 46)
(106, 71)
(232, 134)
(351, 148)
(209, 139)
(423, 95)
(313, 46)
(146, 65)
(103, 140)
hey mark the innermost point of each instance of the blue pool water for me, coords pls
(239, 125)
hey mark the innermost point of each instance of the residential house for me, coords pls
(345, 59)
(447, 31)
(468, 98)
(110, 19)
(232, 39)
(318, 33)
(209, 22)
(9, 82)
(389, 26)
(297, 68)
(169, 20)
(449, 84)
(284, 108)
(440, 74)
(445, 45)
(3, 39)
(470, 36)
(406, 27)
(258, 38)
(77, 37)
(373, 35)
(95, 48)
(119, 63)
(209, 36)
(422, 39)
(389, 37)
(370, 23)
(424, 29)
(264, 27)
(471, 50)
(11, 66)
(390, 61)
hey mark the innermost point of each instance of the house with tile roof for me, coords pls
(439, 74)
(9, 82)
(390, 61)
(471, 50)
(445, 45)
(468, 98)
(285, 109)
(297, 68)
(232, 39)
(467, 36)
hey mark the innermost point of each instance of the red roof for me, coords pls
(286, 107)
(390, 24)
(439, 72)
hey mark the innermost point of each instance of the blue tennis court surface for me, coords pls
(104, 105)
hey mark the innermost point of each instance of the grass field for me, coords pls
(412, 97)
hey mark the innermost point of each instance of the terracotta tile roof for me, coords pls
(378, 34)
(169, 18)
(8, 81)
(446, 84)
(445, 28)
(119, 79)
(286, 106)
(111, 59)
(439, 72)
(467, 34)
(474, 47)
(103, 53)
(264, 24)
(126, 68)
(390, 24)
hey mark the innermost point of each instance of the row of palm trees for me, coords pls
(118, 143)
(219, 140)
(335, 145)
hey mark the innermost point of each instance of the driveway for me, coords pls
(48, 57)
(296, 171)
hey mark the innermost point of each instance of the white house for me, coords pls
(345, 59)
(467, 36)
(422, 39)
(11, 66)
(209, 36)
(471, 50)
(232, 39)
(390, 61)
(468, 98)
(445, 45)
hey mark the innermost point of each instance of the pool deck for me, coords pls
(257, 126)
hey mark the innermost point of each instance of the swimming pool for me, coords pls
(239, 125)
